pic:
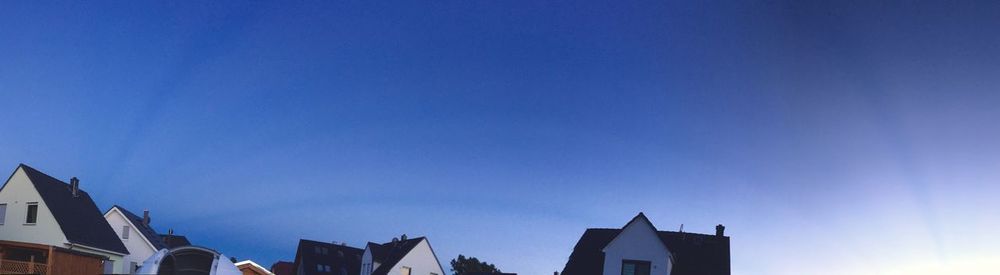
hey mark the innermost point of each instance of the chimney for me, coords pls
(75, 184)
(145, 217)
(555, 272)
(402, 238)
(170, 231)
(720, 230)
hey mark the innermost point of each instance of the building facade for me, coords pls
(48, 224)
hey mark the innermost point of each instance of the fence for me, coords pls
(19, 267)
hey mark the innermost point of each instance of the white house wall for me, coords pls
(637, 241)
(137, 246)
(17, 192)
(366, 258)
(420, 260)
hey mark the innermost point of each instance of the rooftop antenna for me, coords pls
(683, 236)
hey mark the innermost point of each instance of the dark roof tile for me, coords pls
(388, 254)
(80, 219)
(693, 253)
(147, 230)
(174, 241)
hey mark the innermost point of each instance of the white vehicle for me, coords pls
(188, 260)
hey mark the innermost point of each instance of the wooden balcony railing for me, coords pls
(19, 267)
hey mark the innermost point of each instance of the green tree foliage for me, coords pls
(463, 265)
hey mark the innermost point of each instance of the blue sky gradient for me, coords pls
(830, 138)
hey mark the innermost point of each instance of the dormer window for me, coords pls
(632, 267)
(32, 216)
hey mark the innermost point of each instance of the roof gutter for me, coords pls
(71, 245)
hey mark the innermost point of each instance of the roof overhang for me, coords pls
(71, 245)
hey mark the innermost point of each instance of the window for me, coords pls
(326, 251)
(317, 249)
(125, 230)
(319, 268)
(32, 217)
(109, 266)
(3, 212)
(405, 270)
(631, 267)
(432, 273)
(326, 268)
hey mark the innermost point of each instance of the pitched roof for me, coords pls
(388, 254)
(147, 230)
(254, 267)
(692, 253)
(172, 241)
(78, 217)
(334, 255)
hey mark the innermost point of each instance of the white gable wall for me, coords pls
(138, 247)
(17, 192)
(366, 259)
(421, 260)
(637, 241)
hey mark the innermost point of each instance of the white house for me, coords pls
(638, 248)
(48, 224)
(400, 257)
(136, 233)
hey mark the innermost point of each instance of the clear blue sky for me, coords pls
(850, 138)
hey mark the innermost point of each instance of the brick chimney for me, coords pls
(74, 183)
(720, 230)
(145, 217)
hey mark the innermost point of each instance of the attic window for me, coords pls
(326, 251)
(405, 270)
(32, 216)
(125, 230)
(632, 267)
(3, 212)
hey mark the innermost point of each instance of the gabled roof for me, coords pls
(78, 217)
(147, 231)
(248, 264)
(337, 257)
(639, 219)
(173, 241)
(389, 254)
(692, 253)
